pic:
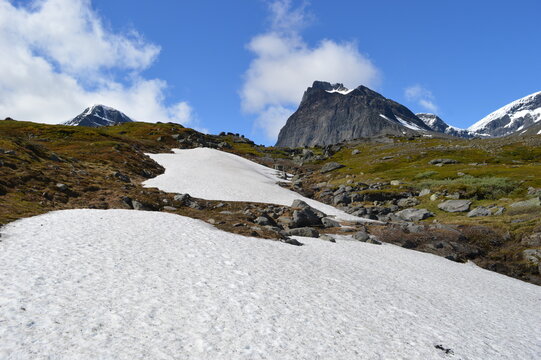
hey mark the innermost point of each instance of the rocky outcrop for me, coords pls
(329, 114)
(435, 123)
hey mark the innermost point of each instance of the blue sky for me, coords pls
(242, 65)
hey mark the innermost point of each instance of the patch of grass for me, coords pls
(425, 174)
(472, 187)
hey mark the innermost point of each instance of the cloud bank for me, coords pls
(284, 65)
(422, 96)
(58, 58)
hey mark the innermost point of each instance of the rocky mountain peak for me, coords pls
(99, 115)
(331, 113)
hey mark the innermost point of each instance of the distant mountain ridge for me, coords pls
(515, 117)
(331, 113)
(435, 123)
(99, 115)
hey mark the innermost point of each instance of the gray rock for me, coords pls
(182, 198)
(327, 238)
(329, 223)
(396, 183)
(442, 161)
(263, 221)
(299, 204)
(169, 208)
(532, 255)
(480, 211)
(303, 231)
(341, 199)
(328, 167)
(499, 211)
(62, 187)
(373, 240)
(408, 202)
(138, 205)
(424, 192)
(414, 214)
(305, 217)
(361, 236)
(355, 152)
(122, 177)
(455, 205)
(533, 202)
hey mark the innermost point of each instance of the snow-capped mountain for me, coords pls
(99, 115)
(434, 122)
(515, 117)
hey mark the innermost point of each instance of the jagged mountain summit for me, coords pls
(331, 113)
(99, 115)
(435, 123)
(515, 117)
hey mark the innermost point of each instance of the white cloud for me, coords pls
(422, 97)
(285, 65)
(58, 58)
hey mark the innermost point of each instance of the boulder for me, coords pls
(299, 204)
(328, 167)
(327, 238)
(408, 202)
(414, 214)
(361, 236)
(329, 223)
(355, 152)
(341, 199)
(480, 211)
(455, 205)
(533, 202)
(303, 231)
(264, 221)
(396, 183)
(62, 187)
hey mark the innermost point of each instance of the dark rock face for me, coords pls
(99, 115)
(435, 123)
(329, 114)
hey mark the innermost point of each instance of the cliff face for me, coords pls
(329, 114)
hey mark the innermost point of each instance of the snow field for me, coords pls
(216, 175)
(125, 284)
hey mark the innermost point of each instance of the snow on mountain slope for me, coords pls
(435, 123)
(125, 284)
(513, 117)
(216, 175)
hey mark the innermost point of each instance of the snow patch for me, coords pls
(125, 284)
(343, 92)
(216, 175)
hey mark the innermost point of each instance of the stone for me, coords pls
(328, 167)
(303, 231)
(355, 152)
(532, 255)
(361, 236)
(263, 221)
(327, 238)
(424, 192)
(170, 208)
(533, 202)
(455, 205)
(480, 211)
(408, 202)
(442, 162)
(373, 240)
(305, 217)
(412, 214)
(138, 205)
(433, 197)
(292, 242)
(329, 223)
(182, 198)
(396, 182)
(62, 187)
(299, 204)
(341, 199)
(122, 177)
